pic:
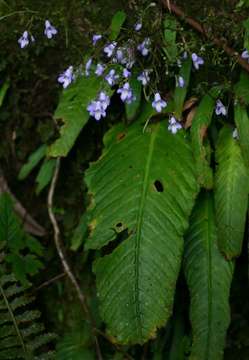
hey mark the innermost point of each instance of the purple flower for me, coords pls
(111, 77)
(24, 39)
(50, 30)
(235, 134)
(138, 26)
(97, 108)
(197, 60)
(126, 73)
(104, 99)
(96, 38)
(220, 108)
(99, 69)
(126, 94)
(144, 47)
(109, 49)
(180, 82)
(88, 66)
(67, 77)
(174, 125)
(158, 103)
(119, 57)
(245, 55)
(144, 77)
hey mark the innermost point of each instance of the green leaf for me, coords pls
(170, 49)
(79, 233)
(33, 160)
(71, 347)
(132, 108)
(72, 110)
(143, 188)
(45, 174)
(242, 88)
(10, 229)
(16, 240)
(246, 37)
(209, 278)
(180, 93)
(231, 194)
(200, 124)
(242, 123)
(116, 24)
(3, 91)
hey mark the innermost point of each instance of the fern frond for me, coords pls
(21, 336)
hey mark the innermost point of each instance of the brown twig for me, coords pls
(50, 281)
(221, 43)
(61, 253)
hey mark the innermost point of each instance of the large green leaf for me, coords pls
(143, 188)
(242, 122)
(231, 194)
(209, 277)
(72, 110)
(200, 124)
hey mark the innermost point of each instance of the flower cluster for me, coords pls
(49, 32)
(124, 56)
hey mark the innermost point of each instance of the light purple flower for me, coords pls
(126, 94)
(144, 77)
(96, 110)
(96, 38)
(88, 66)
(245, 55)
(235, 134)
(104, 99)
(24, 39)
(99, 69)
(138, 26)
(144, 47)
(111, 77)
(180, 82)
(126, 73)
(197, 61)
(220, 108)
(109, 49)
(174, 125)
(67, 77)
(50, 30)
(158, 104)
(119, 55)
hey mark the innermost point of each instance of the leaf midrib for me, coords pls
(139, 222)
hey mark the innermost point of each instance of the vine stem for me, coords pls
(221, 43)
(62, 256)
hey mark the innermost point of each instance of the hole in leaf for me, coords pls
(119, 225)
(112, 245)
(158, 185)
